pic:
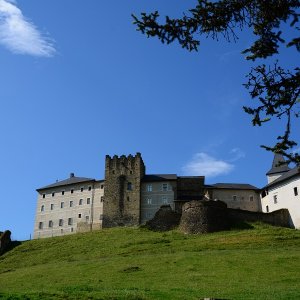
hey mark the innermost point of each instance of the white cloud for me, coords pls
(204, 164)
(237, 154)
(20, 35)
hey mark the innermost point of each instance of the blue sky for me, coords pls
(79, 82)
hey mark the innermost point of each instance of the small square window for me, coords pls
(88, 201)
(81, 189)
(71, 203)
(80, 201)
(61, 204)
(149, 187)
(90, 188)
(251, 198)
(70, 221)
(295, 191)
(275, 199)
(52, 206)
(164, 187)
(72, 229)
(50, 224)
(79, 216)
(149, 201)
(53, 194)
(41, 225)
(101, 186)
(62, 192)
(44, 195)
(72, 191)
(164, 200)
(61, 222)
(101, 199)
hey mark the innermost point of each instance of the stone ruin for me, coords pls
(204, 217)
(5, 241)
(165, 219)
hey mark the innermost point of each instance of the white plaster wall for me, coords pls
(90, 213)
(285, 199)
(243, 200)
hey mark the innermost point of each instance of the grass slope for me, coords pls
(134, 263)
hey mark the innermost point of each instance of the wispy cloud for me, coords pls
(20, 35)
(204, 164)
(237, 154)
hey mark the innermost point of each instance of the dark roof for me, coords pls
(279, 165)
(293, 172)
(71, 180)
(159, 177)
(234, 186)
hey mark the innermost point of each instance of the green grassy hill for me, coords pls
(134, 263)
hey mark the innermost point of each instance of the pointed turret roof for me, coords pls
(279, 165)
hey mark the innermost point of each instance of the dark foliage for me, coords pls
(276, 89)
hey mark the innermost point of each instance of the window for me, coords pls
(50, 224)
(149, 201)
(129, 186)
(52, 206)
(60, 222)
(295, 191)
(80, 201)
(90, 188)
(79, 216)
(53, 194)
(72, 229)
(275, 199)
(72, 191)
(130, 172)
(101, 199)
(149, 187)
(88, 201)
(113, 171)
(44, 195)
(41, 225)
(267, 208)
(251, 198)
(128, 199)
(61, 204)
(164, 187)
(234, 197)
(70, 221)
(101, 186)
(101, 217)
(87, 218)
(71, 203)
(62, 192)
(42, 207)
(81, 189)
(164, 200)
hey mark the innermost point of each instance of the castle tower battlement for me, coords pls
(122, 195)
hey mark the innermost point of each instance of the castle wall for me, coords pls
(238, 198)
(284, 194)
(61, 212)
(122, 193)
(154, 195)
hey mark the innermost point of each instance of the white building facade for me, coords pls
(282, 190)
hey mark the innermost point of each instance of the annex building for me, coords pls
(127, 196)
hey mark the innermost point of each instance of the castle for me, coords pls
(127, 196)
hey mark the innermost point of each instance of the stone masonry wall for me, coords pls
(121, 206)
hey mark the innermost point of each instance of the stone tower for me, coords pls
(122, 194)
